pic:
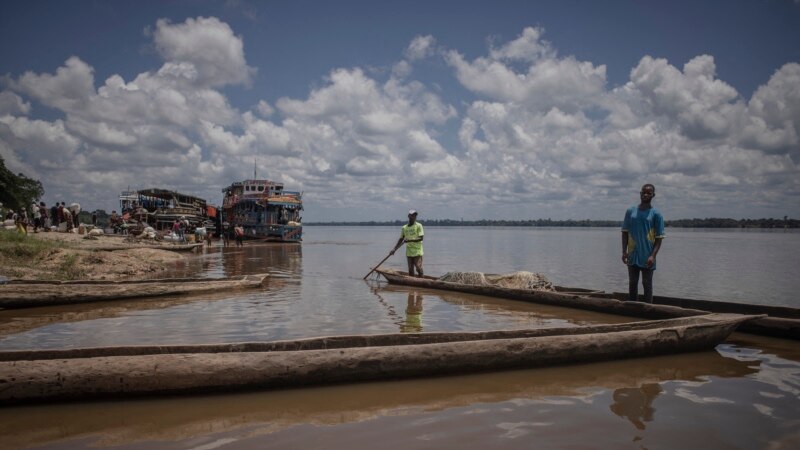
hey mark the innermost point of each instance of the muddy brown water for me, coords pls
(744, 394)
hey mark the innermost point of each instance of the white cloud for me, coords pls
(775, 112)
(528, 47)
(548, 81)
(550, 133)
(264, 108)
(68, 89)
(703, 106)
(203, 50)
(11, 103)
(46, 146)
(421, 47)
(538, 134)
(355, 126)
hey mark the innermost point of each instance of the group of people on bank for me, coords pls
(40, 217)
(642, 235)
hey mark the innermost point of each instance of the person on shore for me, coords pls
(239, 232)
(176, 229)
(67, 217)
(226, 234)
(411, 234)
(59, 214)
(113, 221)
(45, 216)
(37, 217)
(642, 233)
(76, 221)
(21, 221)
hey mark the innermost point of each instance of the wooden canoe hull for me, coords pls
(572, 298)
(32, 376)
(780, 322)
(25, 294)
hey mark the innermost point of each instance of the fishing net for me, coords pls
(515, 280)
(476, 278)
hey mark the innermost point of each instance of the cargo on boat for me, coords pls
(159, 208)
(780, 321)
(264, 210)
(15, 294)
(77, 374)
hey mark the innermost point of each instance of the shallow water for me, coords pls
(745, 394)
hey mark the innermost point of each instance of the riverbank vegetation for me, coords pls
(70, 256)
(20, 254)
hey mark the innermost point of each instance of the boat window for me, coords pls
(261, 189)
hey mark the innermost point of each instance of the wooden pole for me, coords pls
(379, 264)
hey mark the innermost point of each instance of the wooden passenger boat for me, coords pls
(176, 247)
(30, 293)
(265, 211)
(780, 321)
(45, 375)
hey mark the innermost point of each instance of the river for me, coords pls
(745, 394)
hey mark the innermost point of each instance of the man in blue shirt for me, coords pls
(642, 233)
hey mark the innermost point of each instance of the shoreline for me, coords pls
(69, 256)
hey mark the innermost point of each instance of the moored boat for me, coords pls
(46, 375)
(780, 322)
(264, 210)
(33, 293)
(160, 208)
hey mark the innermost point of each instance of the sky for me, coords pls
(458, 109)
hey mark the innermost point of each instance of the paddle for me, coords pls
(379, 264)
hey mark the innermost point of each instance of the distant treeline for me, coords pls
(680, 223)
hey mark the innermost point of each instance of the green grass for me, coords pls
(69, 269)
(18, 251)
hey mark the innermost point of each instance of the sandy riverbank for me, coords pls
(73, 256)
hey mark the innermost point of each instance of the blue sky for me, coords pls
(458, 109)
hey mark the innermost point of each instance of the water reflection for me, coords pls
(202, 419)
(515, 314)
(22, 320)
(252, 258)
(636, 404)
(413, 323)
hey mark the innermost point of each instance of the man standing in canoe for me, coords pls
(642, 233)
(411, 234)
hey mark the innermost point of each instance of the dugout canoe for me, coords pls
(47, 375)
(30, 294)
(173, 420)
(782, 322)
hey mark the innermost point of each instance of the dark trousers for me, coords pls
(633, 283)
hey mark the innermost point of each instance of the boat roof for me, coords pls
(262, 182)
(157, 193)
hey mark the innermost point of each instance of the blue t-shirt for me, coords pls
(644, 226)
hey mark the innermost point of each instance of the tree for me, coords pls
(18, 191)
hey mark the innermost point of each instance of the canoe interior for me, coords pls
(378, 340)
(721, 306)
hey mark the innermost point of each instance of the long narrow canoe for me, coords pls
(30, 294)
(47, 375)
(780, 322)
